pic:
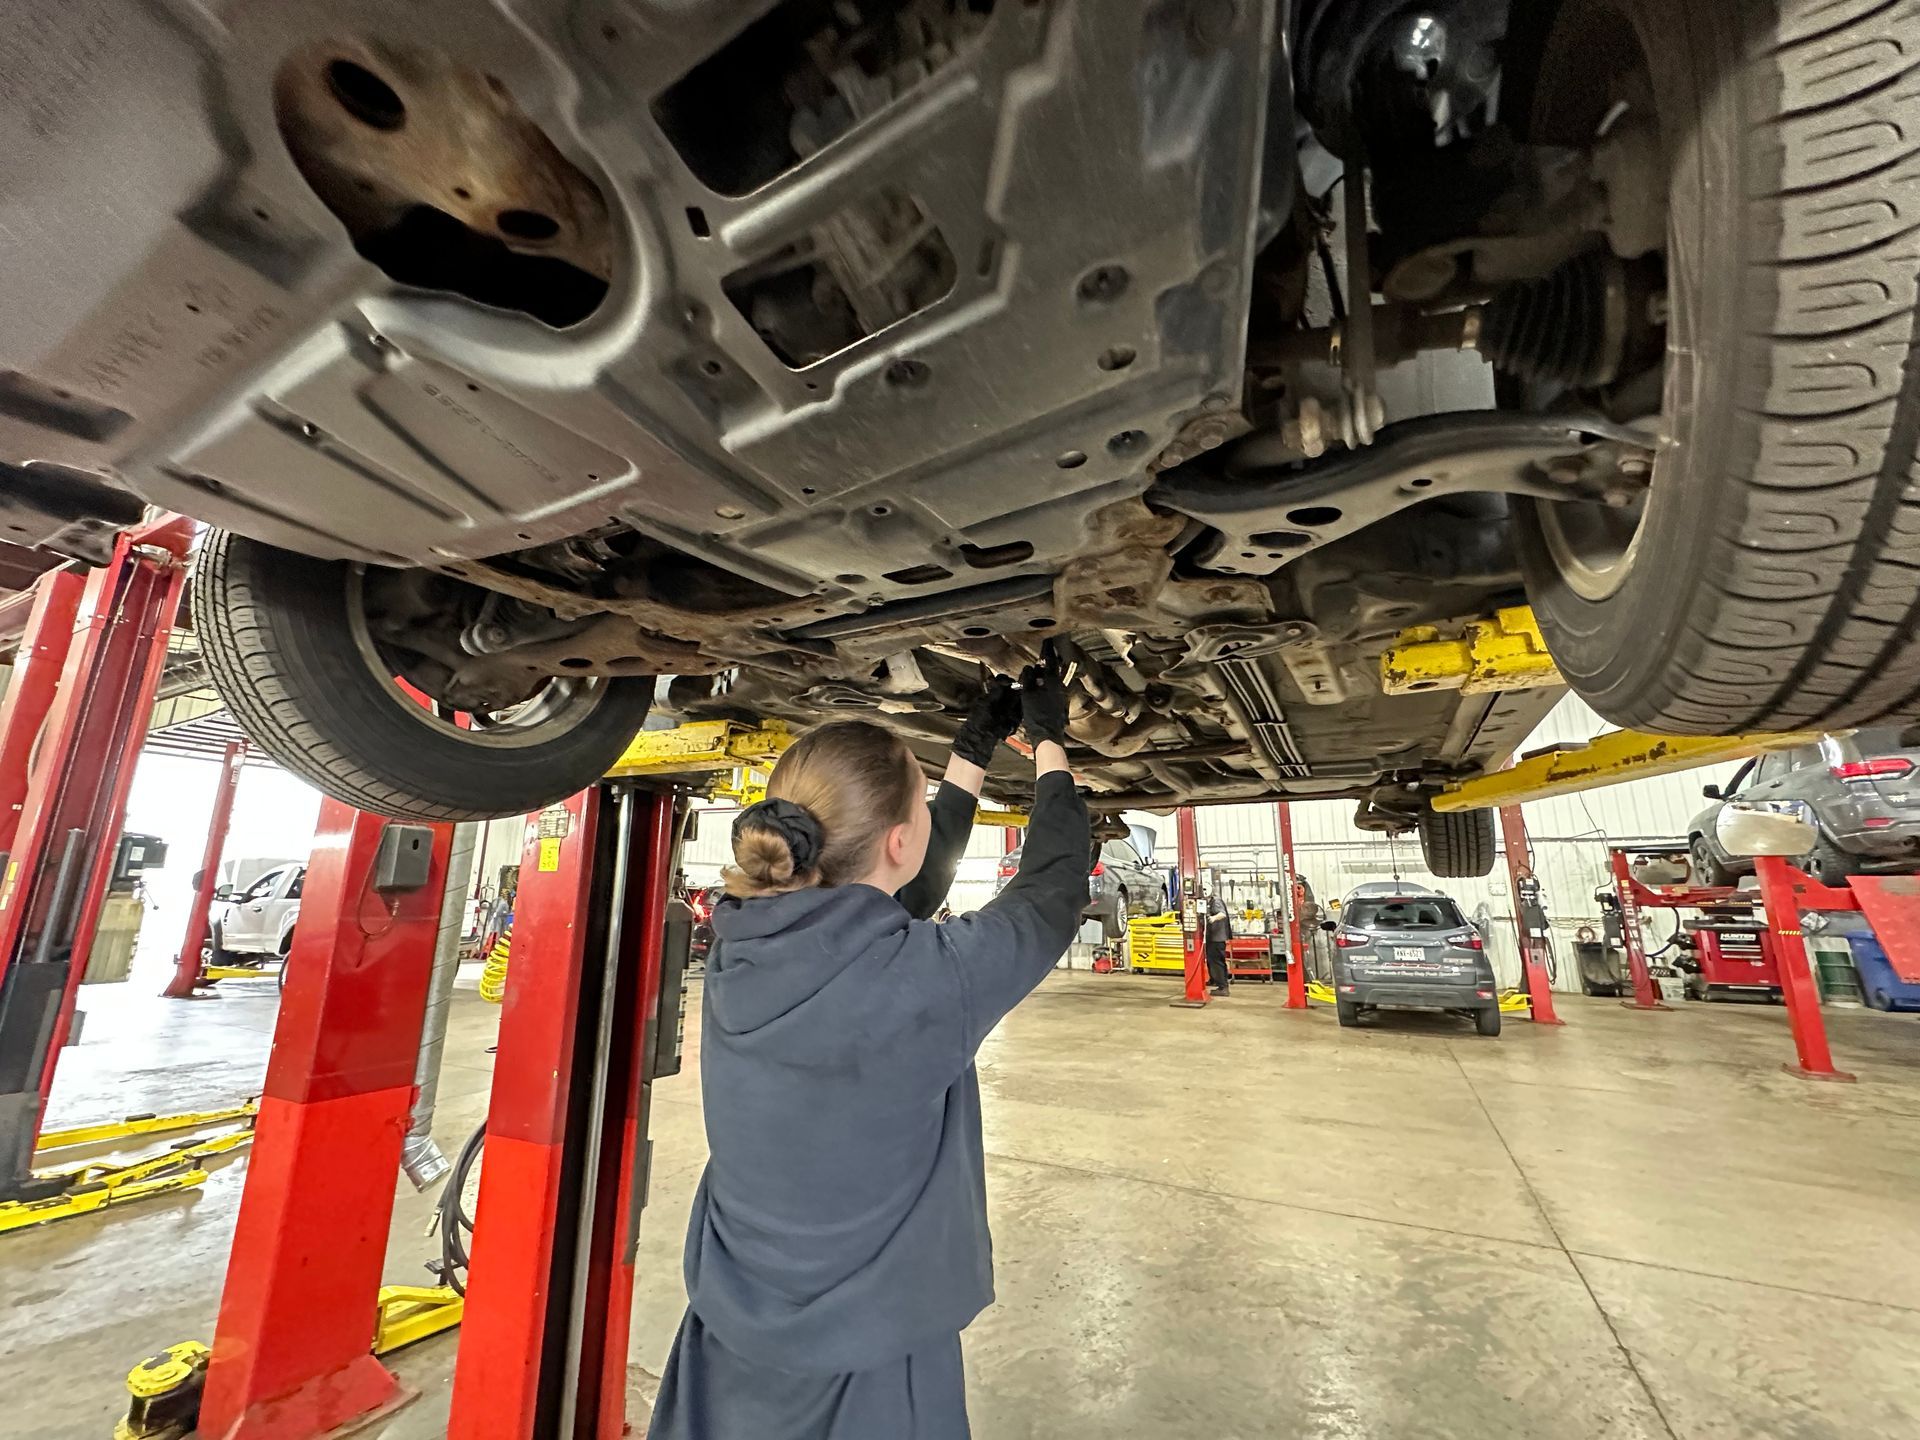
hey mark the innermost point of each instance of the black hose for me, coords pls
(455, 1223)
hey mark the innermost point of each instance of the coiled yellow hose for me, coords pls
(493, 979)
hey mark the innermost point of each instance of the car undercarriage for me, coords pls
(811, 357)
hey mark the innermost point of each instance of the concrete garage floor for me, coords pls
(1230, 1223)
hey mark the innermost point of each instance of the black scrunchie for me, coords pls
(793, 823)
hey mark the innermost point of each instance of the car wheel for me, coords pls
(1829, 864)
(1457, 846)
(1706, 869)
(286, 640)
(1487, 1020)
(1764, 578)
(1348, 1013)
(216, 952)
(1123, 938)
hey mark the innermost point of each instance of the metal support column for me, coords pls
(36, 677)
(543, 1348)
(292, 1350)
(187, 964)
(1533, 968)
(1193, 920)
(1290, 901)
(69, 827)
(1646, 995)
(1796, 979)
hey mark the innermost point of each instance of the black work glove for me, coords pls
(994, 716)
(1043, 705)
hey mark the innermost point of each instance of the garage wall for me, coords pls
(1568, 834)
(1569, 837)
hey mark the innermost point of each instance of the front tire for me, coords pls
(278, 631)
(1457, 846)
(1769, 582)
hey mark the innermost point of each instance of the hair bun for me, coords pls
(793, 823)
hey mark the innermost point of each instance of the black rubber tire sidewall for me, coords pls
(275, 632)
(1617, 653)
(1771, 587)
(1487, 1022)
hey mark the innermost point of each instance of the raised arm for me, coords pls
(990, 721)
(1005, 949)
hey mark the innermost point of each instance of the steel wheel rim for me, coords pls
(559, 706)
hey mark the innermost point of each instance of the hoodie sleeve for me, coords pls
(1005, 949)
(953, 811)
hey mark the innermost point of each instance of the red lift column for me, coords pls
(1290, 897)
(1193, 929)
(1796, 980)
(69, 827)
(36, 678)
(1513, 836)
(1646, 995)
(543, 1345)
(186, 965)
(293, 1347)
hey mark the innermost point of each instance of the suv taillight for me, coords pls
(1099, 868)
(1348, 940)
(1883, 766)
(1467, 940)
(1008, 869)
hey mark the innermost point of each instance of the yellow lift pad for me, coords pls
(1506, 652)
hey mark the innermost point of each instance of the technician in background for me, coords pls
(1219, 929)
(838, 1244)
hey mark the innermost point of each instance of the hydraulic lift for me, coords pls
(70, 730)
(592, 1020)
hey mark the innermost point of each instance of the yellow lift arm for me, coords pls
(1610, 759)
(1507, 652)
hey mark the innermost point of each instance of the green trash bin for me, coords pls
(1833, 971)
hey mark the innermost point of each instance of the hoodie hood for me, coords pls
(775, 953)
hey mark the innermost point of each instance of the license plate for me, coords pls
(1413, 954)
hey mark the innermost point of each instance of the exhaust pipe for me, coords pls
(421, 1158)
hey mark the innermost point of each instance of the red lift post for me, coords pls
(1815, 1059)
(187, 964)
(1646, 995)
(543, 1348)
(36, 679)
(1533, 966)
(1193, 929)
(292, 1350)
(1290, 899)
(72, 809)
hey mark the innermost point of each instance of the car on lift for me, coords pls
(538, 367)
(1862, 791)
(1402, 946)
(1121, 884)
(258, 921)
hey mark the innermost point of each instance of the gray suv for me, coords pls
(1863, 790)
(1122, 884)
(1404, 947)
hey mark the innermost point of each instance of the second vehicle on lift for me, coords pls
(1862, 792)
(1401, 946)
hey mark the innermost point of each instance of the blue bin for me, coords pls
(1883, 989)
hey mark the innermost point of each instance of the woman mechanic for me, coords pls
(839, 1243)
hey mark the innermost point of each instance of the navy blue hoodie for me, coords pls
(842, 1220)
